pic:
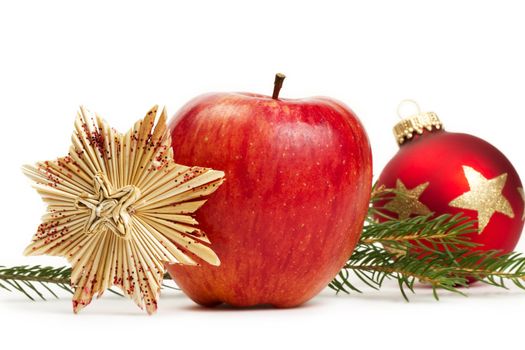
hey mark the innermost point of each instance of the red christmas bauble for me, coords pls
(442, 172)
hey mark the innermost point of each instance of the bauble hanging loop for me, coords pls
(414, 124)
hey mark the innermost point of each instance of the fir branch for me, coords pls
(427, 234)
(435, 251)
(374, 264)
(26, 279)
(39, 280)
(492, 267)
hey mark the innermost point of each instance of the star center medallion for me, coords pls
(109, 209)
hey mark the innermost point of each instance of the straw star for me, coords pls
(485, 196)
(119, 208)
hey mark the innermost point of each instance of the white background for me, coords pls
(463, 60)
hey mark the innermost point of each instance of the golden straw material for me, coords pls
(119, 208)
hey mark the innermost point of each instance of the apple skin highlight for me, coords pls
(288, 216)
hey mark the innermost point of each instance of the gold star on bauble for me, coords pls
(485, 197)
(119, 208)
(406, 202)
(522, 193)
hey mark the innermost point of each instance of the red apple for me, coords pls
(288, 216)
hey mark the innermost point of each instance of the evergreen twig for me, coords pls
(435, 251)
(39, 280)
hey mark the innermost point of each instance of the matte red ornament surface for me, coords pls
(298, 181)
(439, 158)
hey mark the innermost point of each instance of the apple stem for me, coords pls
(277, 85)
